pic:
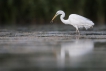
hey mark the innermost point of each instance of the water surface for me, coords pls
(51, 53)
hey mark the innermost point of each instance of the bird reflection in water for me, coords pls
(78, 51)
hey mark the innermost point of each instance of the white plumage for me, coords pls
(79, 21)
(75, 20)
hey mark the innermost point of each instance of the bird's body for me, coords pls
(79, 21)
(75, 20)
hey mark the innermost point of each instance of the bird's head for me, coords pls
(59, 12)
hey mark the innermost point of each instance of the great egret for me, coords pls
(75, 20)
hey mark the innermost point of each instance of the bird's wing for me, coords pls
(80, 21)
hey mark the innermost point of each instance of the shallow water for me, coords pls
(52, 53)
(52, 48)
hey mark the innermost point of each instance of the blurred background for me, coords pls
(40, 12)
(29, 42)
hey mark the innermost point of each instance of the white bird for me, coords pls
(75, 20)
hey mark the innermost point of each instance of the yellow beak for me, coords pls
(54, 17)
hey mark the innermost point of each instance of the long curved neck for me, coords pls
(62, 18)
